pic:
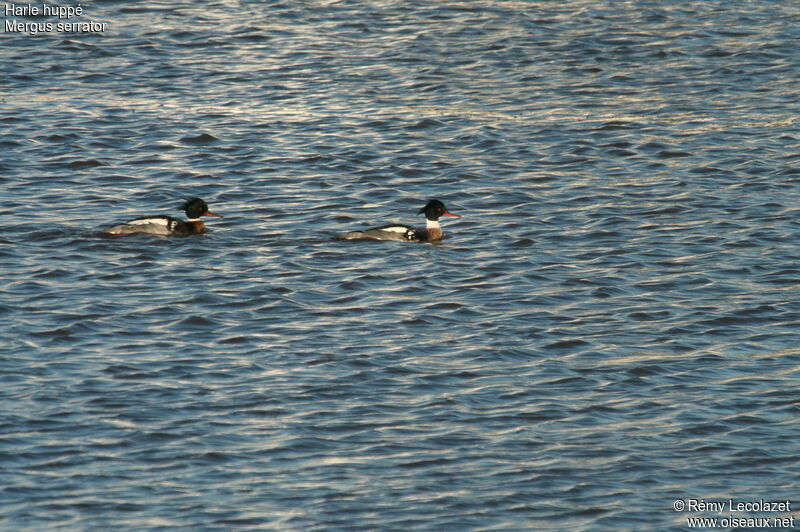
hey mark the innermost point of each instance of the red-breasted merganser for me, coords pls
(432, 232)
(167, 225)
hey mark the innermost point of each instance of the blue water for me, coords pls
(610, 327)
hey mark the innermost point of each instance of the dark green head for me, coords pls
(195, 208)
(434, 209)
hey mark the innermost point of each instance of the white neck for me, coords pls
(432, 224)
(193, 219)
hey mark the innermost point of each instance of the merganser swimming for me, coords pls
(432, 232)
(167, 225)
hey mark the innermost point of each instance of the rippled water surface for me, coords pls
(611, 326)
